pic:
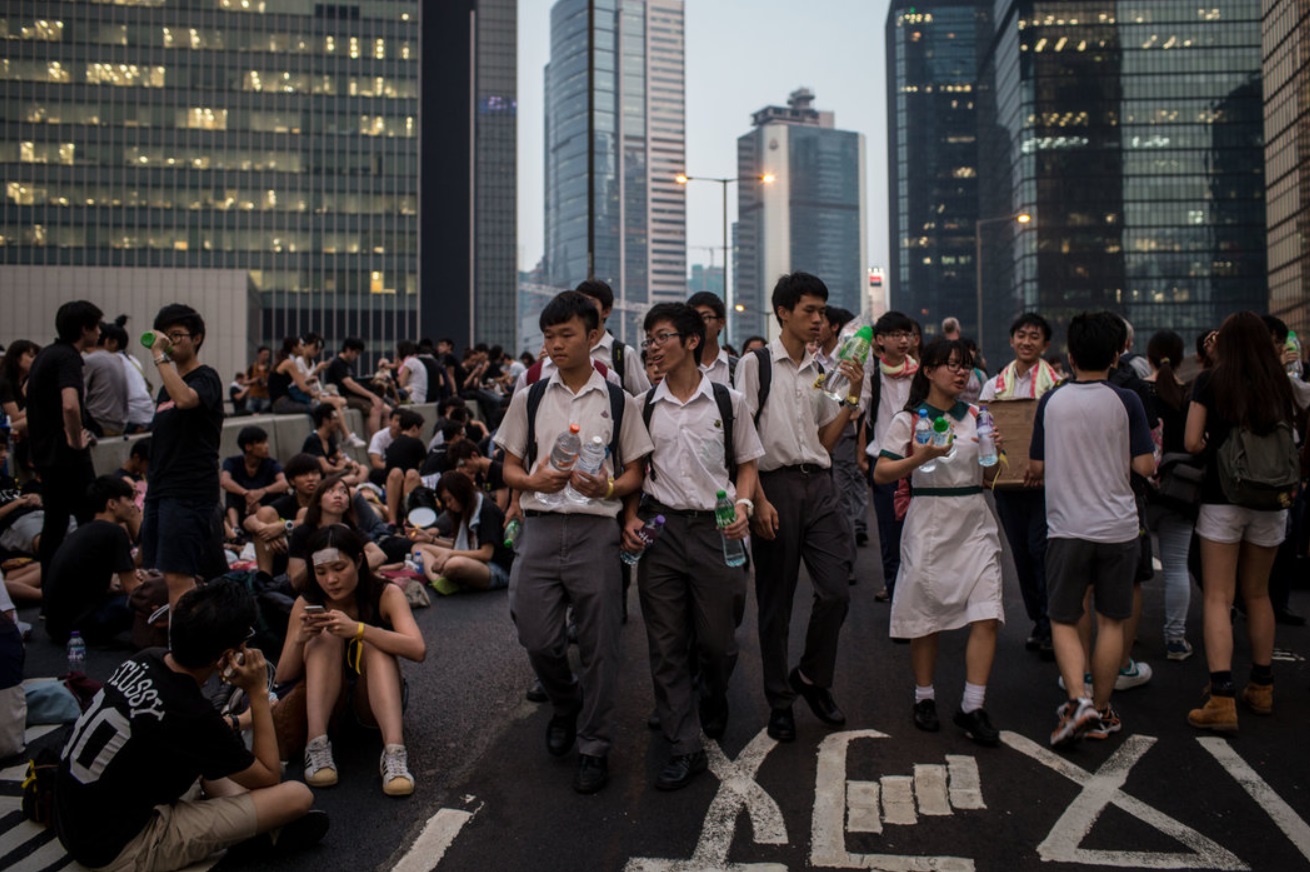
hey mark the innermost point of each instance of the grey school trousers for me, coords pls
(811, 528)
(562, 560)
(688, 594)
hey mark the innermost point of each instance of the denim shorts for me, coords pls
(175, 534)
(499, 576)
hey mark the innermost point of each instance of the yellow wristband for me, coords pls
(359, 633)
(609, 493)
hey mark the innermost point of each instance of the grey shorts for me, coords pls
(1074, 565)
(18, 536)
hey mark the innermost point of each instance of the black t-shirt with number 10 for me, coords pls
(148, 735)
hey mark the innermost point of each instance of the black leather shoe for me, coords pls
(1289, 618)
(681, 769)
(592, 774)
(861, 539)
(819, 699)
(714, 717)
(925, 716)
(978, 726)
(782, 725)
(536, 693)
(653, 722)
(561, 732)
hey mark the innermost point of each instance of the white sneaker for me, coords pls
(1135, 674)
(354, 441)
(320, 768)
(396, 780)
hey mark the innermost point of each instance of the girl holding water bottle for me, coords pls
(950, 573)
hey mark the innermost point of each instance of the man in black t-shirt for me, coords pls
(178, 535)
(93, 572)
(55, 414)
(268, 526)
(341, 372)
(407, 450)
(252, 478)
(150, 734)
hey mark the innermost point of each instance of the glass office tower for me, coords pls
(1287, 176)
(933, 158)
(617, 148)
(275, 137)
(1132, 131)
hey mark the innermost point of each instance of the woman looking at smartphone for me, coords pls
(348, 631)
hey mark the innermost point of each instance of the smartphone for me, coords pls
(312, 611)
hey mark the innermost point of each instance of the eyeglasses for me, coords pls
(954, 365)
(898, 336)
(177, 336)
(710, 318)
(659, 339)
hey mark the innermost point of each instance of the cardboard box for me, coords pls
(1014, 419)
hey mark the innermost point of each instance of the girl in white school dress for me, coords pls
(950, 574)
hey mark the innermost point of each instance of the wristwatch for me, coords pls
(853, 402)
(750, 506)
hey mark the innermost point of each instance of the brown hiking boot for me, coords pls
(1219, 714)
(1259, 698)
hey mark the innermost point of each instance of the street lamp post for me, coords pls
(1018, 218)
(684, 179)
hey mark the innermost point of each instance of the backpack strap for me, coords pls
(732, 369)
(875, 398)
(535, 393)
(724, 400)
(765, 378)
(617, 352)
(618, 400)
(647, 409)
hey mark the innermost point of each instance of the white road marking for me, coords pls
(738, 789)
(14, 773)
(1292, 825)
(431, 845)
(15, 836)
(1103, 789)
(898, 800)
(49, 853)
(828, 832)
(966, 786)
(1284, 655)
(930, 789)
(862, 815)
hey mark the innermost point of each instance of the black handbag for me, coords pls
(1181, 476)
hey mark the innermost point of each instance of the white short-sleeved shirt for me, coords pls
(794, 412)
(688, 460)
(590, 409)
(719, 370)
(548, 368)
(1087, 434)
(418, 379)
(380, 442)
(633, 378)
(894, 394)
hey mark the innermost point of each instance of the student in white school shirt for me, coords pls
(609, 350)
(569, 553)
(797, 515)
(692, 601)
(715, 361)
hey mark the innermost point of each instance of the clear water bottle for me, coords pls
(76, 653)
(512, 531)
(648, 535)
(1294, 344)
(418, 563)
(986, 444)
(563, 456)
(590, 461)
(836, 385)
(725, 514)
(941, 434)
(923, 435)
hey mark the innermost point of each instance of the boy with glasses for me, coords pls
(715, 361)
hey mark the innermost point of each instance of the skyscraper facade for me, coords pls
(278, 138)
(1132, 132)
(615, 142)
(932, 63)
(800, 207)
(469, 255)
(1287, 176)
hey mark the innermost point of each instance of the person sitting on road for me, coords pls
(252, 478)
(333, 502)
(269, 526)
(349, 630)
(323, 445)
(124, 789)
(475, 557)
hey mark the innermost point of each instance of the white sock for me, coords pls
(922, 693)
(974, 696)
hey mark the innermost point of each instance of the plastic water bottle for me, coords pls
(986, 445)
(725, 514)
(1294, 344)
(648, 535)
(590, 461)
(563, 456)
(923, 435)
(836, 385)
(418, 563)
(512, 531)
(76, 653)
(941, 433)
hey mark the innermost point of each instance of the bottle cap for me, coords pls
(923, 411)
(865, 333)
(723, 494)
(596, 440)
(941, 425)
(574, 428)
(658, 520)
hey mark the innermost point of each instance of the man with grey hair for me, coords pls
(951, 328)
(1141, 366)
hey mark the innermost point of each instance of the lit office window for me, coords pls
(202, 118)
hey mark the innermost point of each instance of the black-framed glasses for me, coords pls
(659, 339)
(710, 317)
(177, 336)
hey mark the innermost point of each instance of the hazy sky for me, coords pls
(741, 55)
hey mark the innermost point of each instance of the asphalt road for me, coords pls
(878, 794)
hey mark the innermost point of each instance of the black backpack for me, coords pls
(765, 359)
(724, 401)
(618, 400)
